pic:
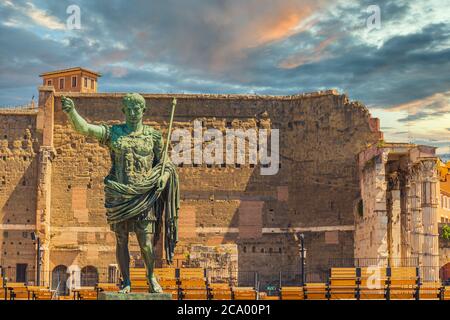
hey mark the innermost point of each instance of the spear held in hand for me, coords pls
(166, 147)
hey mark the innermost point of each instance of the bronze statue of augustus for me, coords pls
(141, 189)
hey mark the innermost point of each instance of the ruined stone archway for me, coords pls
(89, 276)
(59, 280)
(445, 272)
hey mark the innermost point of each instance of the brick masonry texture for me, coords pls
(317, 184)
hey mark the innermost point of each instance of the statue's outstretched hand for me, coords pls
(67, 104)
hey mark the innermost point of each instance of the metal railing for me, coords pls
(369, 262)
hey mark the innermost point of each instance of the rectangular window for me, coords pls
(85, 82)
(21, 272)
(49, 82)
(61, 83)
(74, 81)
(112, 274)
(92, 83)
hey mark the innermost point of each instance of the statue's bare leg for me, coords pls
(123, 259)
(145, 239)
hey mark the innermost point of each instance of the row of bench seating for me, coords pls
(20, 291)
(190, 284)
(369, 283)
(187, 284)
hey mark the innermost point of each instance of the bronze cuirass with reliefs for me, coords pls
(132, 155)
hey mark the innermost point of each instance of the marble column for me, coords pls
(430, 246)
(394, 221)
(406, 224)
(380, 211)
(415, 198)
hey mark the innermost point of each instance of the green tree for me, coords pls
(446, 232)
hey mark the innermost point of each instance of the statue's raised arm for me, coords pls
(79, 123)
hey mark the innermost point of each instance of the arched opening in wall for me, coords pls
(89, 276)
(59, 280)
(445, 273)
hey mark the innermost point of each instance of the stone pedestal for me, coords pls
(134, 296)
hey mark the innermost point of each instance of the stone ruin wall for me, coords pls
(19, 151)
(233, 217)
(371, 220)
(315, 187)
(398, 222)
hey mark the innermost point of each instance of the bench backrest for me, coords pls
(219, 286)
(367, 272)
(16, 285)
(316, 285)
(291, 289)
(403, 273)
(243, 289)
(374, 277)
(343, 273)
(165, 273)
(192, 273)
(137, 273)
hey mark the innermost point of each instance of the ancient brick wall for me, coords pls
(314, 191)
(19, 148)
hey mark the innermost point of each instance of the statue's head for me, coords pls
(133, 107)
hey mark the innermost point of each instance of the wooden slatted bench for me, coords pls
(106, 287)
(39, 293)
(138, 278)
(403, 283)
(220, 291)
(43, 295)
(430, 290)
(343, 283)
(193, 284)
(244, 293)
(86, 293)
(17, 291)
(3, 289)
(292, 293)
(167, 278)
(316, 291)
(446, 293)
(373, 283)
(264, 296)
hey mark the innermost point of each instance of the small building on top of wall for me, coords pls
(397, 224)
(71, 80)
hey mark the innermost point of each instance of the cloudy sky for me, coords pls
(399, 68)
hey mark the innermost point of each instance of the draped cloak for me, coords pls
(124, 201)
